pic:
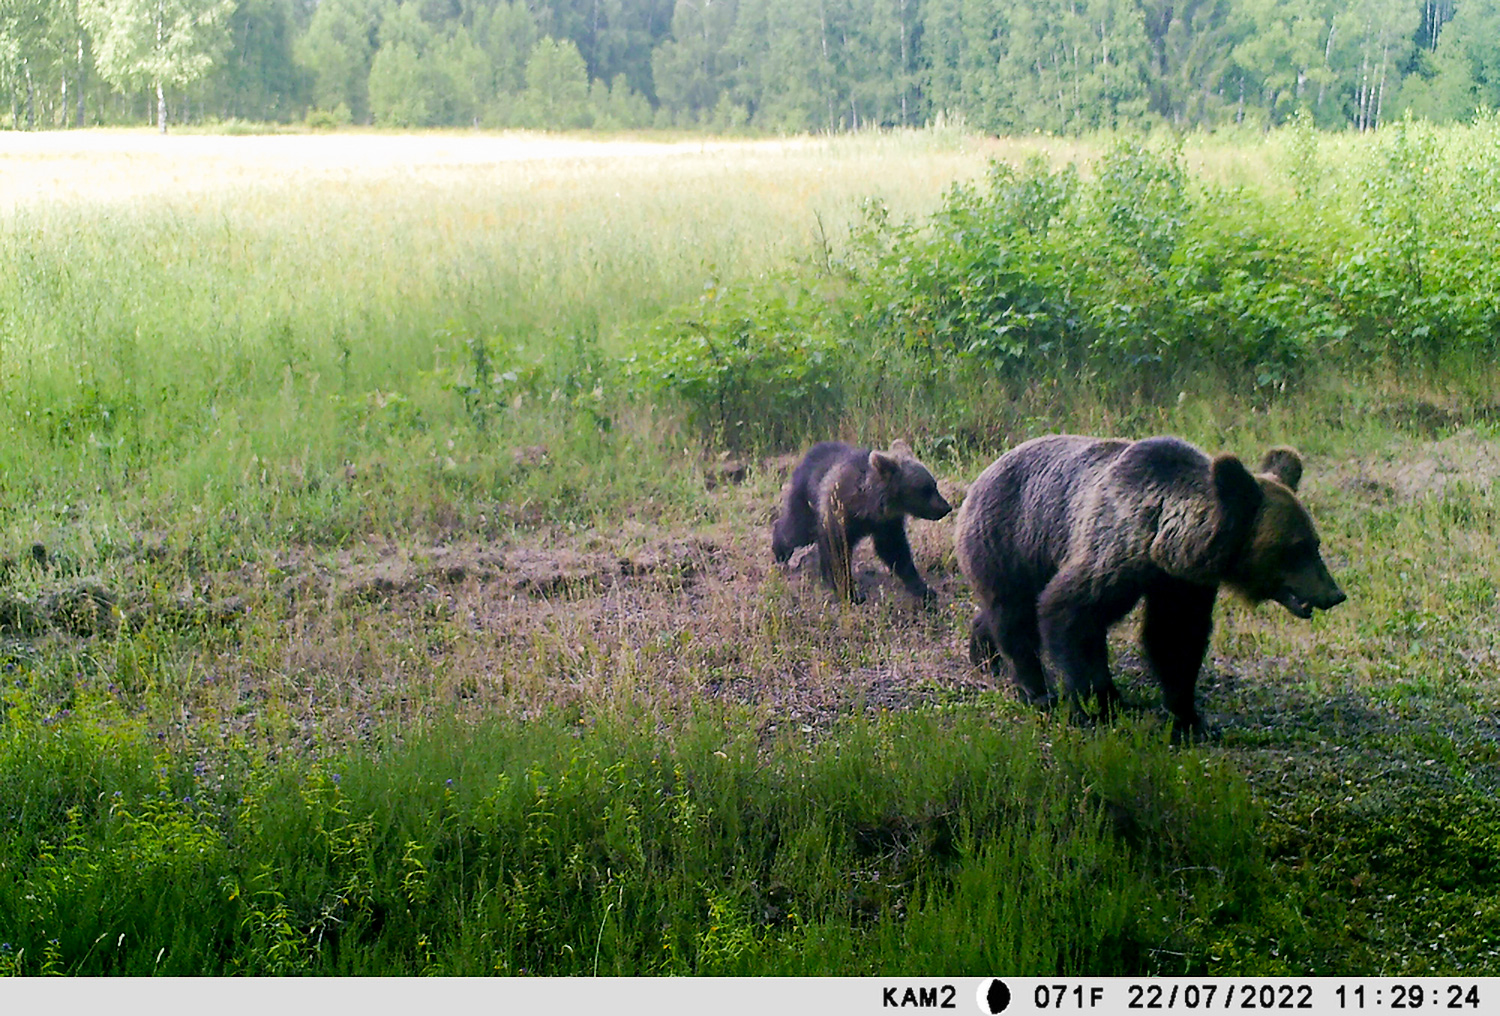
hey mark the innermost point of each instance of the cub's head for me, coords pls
(909, 487)
(1280, 560)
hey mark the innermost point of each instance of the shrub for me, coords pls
(759, 367)
(979, 282)
(328, 119)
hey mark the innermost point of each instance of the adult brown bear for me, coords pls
(1063, 535)
(839, 494)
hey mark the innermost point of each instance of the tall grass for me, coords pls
(236, 350)
(935, 841)
(371, 351)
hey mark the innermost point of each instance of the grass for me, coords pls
(343, 496)
(243, 346)
(503, 849)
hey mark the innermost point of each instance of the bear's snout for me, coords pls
(1302, 604)
(937, 507)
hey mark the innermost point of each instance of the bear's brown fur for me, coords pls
(1061, 536)
(839, 494)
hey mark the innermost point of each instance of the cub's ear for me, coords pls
(901, 448)
(1284, 464)
(885, 464)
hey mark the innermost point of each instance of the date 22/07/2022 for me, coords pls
(1111, 995)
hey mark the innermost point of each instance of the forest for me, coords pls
(767, 66)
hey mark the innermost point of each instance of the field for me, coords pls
(387, 584)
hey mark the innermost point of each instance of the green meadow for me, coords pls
(387, 584)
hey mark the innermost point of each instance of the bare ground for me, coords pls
(317, 648)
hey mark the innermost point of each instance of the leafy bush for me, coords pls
(1141, 198)
(1136, 283)
(1130, 283)
(328, 119)
(1421, 284)
(978, 281)
(1127, 279)
(759, 367)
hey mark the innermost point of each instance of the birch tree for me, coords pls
(23, 25)
(157, 43)
(69, 43)
(1377, 39)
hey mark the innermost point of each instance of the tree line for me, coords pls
(767, 65)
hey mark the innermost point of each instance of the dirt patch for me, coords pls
(1430, 419)
(328, 646)
(1407, 474)
(530, 570)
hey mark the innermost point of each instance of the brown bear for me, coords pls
(1061, 536)
(839, 494)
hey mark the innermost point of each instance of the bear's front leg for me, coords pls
(1174, 637)
(894, 549)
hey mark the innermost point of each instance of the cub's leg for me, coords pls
(797, 527)
(894, 549)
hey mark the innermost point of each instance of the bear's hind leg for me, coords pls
(797, 527)
(1174, 636)
(1074, 618)
(1013, 626)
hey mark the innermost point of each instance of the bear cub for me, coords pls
(1060, 537)
(839, 494)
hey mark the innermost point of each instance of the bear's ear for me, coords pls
(1284, 464)
(1197, 542)
(901, 448)
(1239, 493)
(884, 464)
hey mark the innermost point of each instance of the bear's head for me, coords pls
(909, 487)
(1279, 559)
